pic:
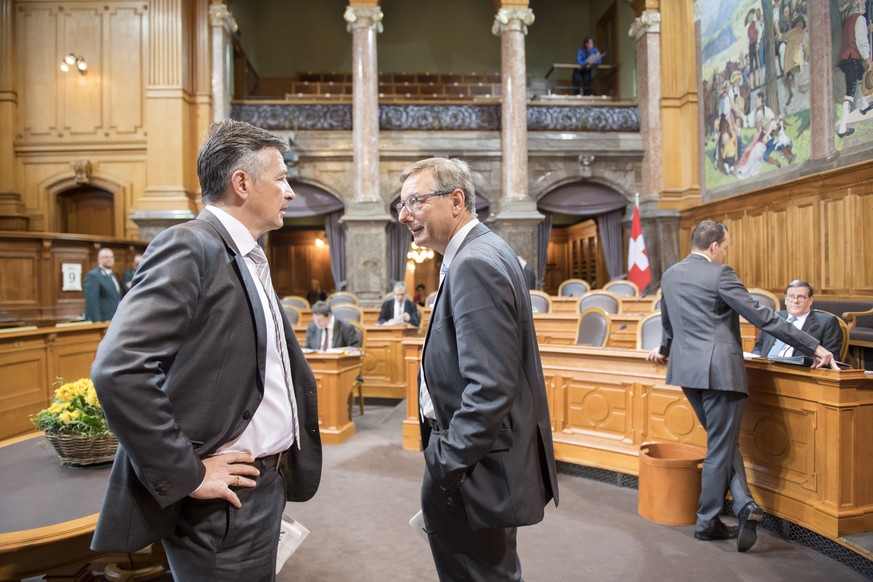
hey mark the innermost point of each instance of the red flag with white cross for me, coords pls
(638, 269)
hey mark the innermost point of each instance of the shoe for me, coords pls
(749, 517)
(866, 109)
(719, 531)
(849, 131)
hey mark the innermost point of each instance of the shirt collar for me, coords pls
(705, 256)
(241, 236)
(455, 243)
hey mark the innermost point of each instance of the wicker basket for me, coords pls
(76, 449)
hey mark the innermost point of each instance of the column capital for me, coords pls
(363, 17)
(648, 21)
(220, 16)
(517, 19)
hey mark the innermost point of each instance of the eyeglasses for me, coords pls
(796, 298)
(413, 203)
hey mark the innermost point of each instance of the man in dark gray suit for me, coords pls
(102, 290)
(486, 430)
(702, 302)
(203, 381)
(798, 310)
(326, 331)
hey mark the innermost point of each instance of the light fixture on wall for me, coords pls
(71, 61)
(419, 254)
(319, 243)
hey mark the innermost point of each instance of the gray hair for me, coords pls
(321, 308)
(448, 174)
(400, 286)
(230, 146)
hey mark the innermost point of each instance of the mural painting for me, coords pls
(852, 36)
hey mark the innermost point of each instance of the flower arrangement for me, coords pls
(74, 410)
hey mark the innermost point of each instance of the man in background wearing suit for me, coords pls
(127, 276)
(400, 308)
(798, 304)
(326, 331)
(204, 384)
(102, 291)
(702, 302)
(486, 433)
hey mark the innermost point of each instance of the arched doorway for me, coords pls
(86, 210)
(581, 236)
(311, 244)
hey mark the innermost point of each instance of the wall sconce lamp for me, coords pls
(319, 243)
(71, 61)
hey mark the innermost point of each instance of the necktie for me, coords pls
(263, 268)
(780, 345)
(324, 340)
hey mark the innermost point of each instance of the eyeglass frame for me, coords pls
(416, 199)
(797, 298)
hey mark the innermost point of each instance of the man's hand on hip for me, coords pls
(224, 472)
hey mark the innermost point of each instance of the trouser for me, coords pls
(214, 541)
(459, 552)
(720, 413)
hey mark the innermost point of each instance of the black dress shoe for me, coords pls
(849, 131)
(719, 531)
(749, 517)
(866, 109)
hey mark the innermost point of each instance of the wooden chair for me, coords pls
(431, 298)
(593, 329)
(764, 297)
(301, 303)
(358, 384)
(844, 328)
(292, 313)
(540, 301)
(350, 313)
(605, 300)
(623, 288)
(649, 331)
(573, 288)
(342, 298)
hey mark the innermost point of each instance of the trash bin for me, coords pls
(670, 482)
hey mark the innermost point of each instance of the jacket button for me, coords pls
(247, 415)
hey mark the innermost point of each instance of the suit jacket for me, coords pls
(482, 368)
(387, 313)
(101, 296)
(700, 310)
(181, 372)
(126, 278)
(344, 334)
(822, 326)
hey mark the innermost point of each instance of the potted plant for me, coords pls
(75, 425)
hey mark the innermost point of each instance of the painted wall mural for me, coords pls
(852, 36)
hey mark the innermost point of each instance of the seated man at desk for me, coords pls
(327, 332)
(587, 55)
(399, 309)
(822, 326)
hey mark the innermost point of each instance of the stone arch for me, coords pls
(54, 186)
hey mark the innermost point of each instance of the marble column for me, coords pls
(660, 226)
(365, 217)
(364, 22)
(12, 210)
(222, 26)
(517, 217)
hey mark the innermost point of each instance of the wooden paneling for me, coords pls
(296, 260)
(31, 277)
(815, 228)
(29, 363)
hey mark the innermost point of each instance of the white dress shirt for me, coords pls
(425, 404)
(272, 428)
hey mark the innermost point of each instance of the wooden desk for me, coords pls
(31, 360)
(805, 436)
(47, 512)
(335, 372)
(382, 365)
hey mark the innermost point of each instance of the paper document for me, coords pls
(291, 535)
(417, 523)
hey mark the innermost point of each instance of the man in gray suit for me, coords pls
(326, 331)
(203, 381)
(486, 430)
(702, 302)
(102, 291)
(798, 311)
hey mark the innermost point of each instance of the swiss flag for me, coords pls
(637, 262)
